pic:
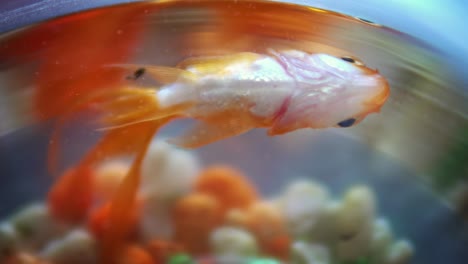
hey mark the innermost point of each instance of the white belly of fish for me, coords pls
(260, 88)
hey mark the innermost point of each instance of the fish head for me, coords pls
(330, 92)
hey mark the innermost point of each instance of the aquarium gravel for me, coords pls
(188, 213)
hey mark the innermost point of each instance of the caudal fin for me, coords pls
(119, 222)
(132, 106)
(115, 108)
(134, 116)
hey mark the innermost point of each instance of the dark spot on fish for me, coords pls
(347, 123)
(137, 74)
(348, 59)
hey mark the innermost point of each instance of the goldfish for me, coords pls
(280, 90)
(229, 95)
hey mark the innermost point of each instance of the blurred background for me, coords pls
(414, 154)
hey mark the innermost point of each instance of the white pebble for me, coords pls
(155, 221)
(8, 241)
(235, 218)
(325, 230)
(108, 177)
(304, 253)
(35, 226)
(227, 259)
(382, 238)
(302, 205)
(400, 253)
(355, 223)
(168, 172)
(230, 241)
(77, 247)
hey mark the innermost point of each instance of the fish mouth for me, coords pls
(376, 102)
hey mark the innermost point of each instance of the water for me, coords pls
(413, 154)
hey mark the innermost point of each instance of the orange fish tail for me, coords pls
(135, 116)
(119, 223)
(118, 107)
(132, 117)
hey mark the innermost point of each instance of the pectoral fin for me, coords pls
(119, 223)
(205, 133)
(132, 105)
(161, 74)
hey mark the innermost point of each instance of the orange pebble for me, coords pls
(194, 217)
(278, 246)
(266, 222)
(230, 187)
(97, 222)
(161, 250)
(72, 195)
(134, 254)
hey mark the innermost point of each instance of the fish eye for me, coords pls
(347, 122)
(348, 59)
(137, 74)
(353, 61)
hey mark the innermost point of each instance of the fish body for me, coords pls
(254, 86)
(282, 91)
